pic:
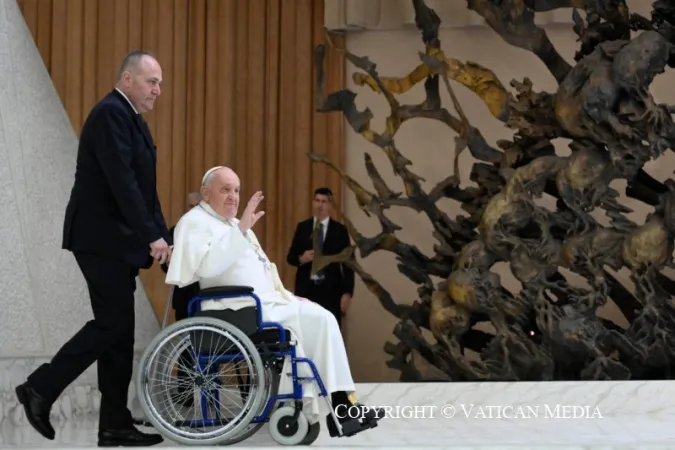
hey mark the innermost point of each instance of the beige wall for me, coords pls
(429, 144)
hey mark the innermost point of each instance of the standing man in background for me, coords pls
(333, 286)
(193, 200)
(114, 226)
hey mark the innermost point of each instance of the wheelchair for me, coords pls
(186, 400)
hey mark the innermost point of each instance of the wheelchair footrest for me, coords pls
(350, 427)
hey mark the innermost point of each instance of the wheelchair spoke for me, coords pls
(202, 382)
(220, 351)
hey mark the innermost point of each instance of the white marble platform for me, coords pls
(628, 415)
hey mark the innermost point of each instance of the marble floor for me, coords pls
(631, 415)
(629, 433)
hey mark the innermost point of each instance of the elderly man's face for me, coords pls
(223, 193)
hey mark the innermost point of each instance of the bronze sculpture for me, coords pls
(550, 330)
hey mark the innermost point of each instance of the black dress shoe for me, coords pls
(128, 437)
(370, 413)
(37, 410)
(357, 419)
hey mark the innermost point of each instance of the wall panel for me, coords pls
(238, 91)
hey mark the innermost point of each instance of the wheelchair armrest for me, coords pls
(225, 291)
(246, 319)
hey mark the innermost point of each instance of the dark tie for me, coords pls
(321, 234)
(319, 227)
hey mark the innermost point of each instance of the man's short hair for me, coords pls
(132, 60)
(324, 191)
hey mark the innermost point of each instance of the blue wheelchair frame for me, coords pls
(202, 362)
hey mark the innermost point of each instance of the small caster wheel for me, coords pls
(285, 430)
(312, 434)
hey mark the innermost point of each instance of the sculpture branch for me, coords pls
(549, 329)
(514, 22)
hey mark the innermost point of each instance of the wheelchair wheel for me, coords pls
(180, 382)
(312, 434)
(271, 387)
(288, 431)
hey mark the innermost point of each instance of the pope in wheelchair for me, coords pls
(290, 349)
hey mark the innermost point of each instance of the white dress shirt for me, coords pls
(324, 222)
(127, 99)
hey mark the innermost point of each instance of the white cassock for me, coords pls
(213, 251)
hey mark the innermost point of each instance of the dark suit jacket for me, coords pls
(114, 209)
(339, 278)
(181, 296)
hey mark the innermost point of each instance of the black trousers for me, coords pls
(328, 299)
(108, 340)
(181, 313)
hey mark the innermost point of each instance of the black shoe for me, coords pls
(37, 410)
(128, 437)
(370, 414)
(359, 418)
